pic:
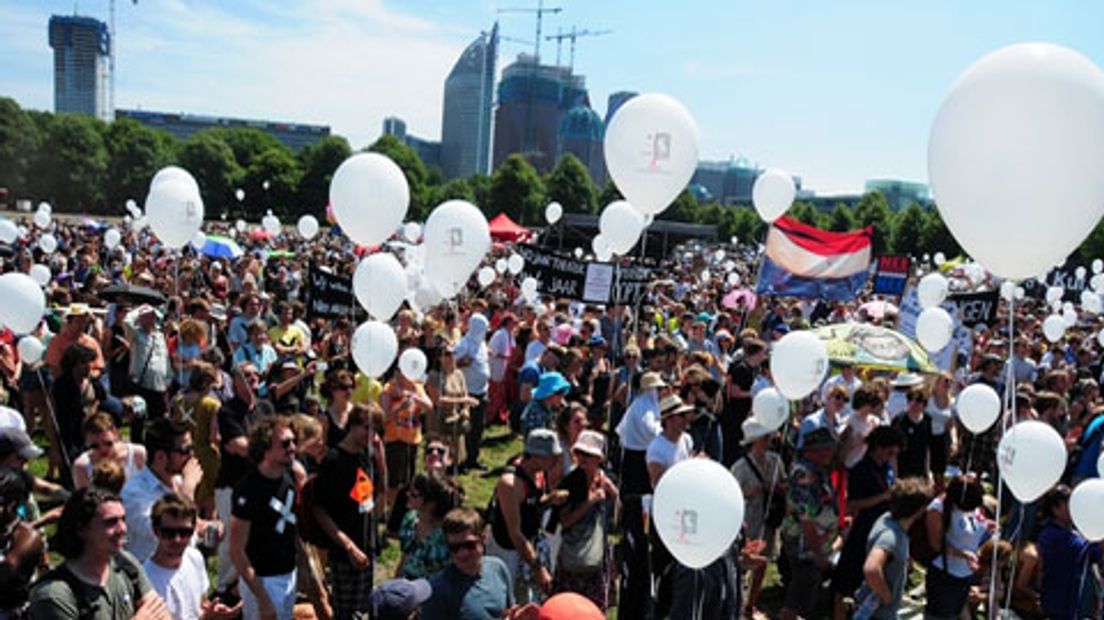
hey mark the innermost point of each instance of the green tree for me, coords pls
(608, 194)
(318, 162)
(937, 237)
(480, 185)
(19, 140)
(517, 190)
(456, 189)
(747, 226)
(211, 161)
(806, 214)
(908, 231)
(413, 168)
(873, 210)
(569, 184)
(136, 153)
(683, 209)
(841, 219)
(279, 170)
(247, 143)
(73, 164)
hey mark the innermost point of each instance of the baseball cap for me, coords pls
(542, 442)
(398, 598)
(15, 441)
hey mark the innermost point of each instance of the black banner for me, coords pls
(1065, 277)
(977, 308)
(586, 281)
(328, 295)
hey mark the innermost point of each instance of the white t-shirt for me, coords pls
(860, 426)
(967, 531)
(182, 588)
(666, 453)
(534, 350)
(502, 343)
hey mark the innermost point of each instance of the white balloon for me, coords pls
(412, 364)
(939, 259)
(500, 265)
(1054, 327)
(771, 408)
(374, 347)
(132, 208)
(1020, 292)
(1084, 505)
(370, 196)
(412, 231)
(41, 219)
(271, 224)
(1054, 294)
(578, 252)
(733, 279)
(427, 296)
(772, 194)
(651, 150)
(456, 238)
(139, 223)
(239, 194)
(978, 406)
(173, 174)
(706, 275)
(1069, 317)
(529, 288)
(174, 211)
(1008, 290)
(307, 226)
(199, 240)
(41, 274)
(1079, 273)
(24, 302)
(1023, 122)
(31, 350)
(620, 225)
(112, 237)
(485, 276)
(46, 208)
(515, 263)
(240, 226)
(601, 247)
(553, 212)
(1100, 341)
(932, 290)
(9, 231)
(1097, 265)
(1100, 465)
(379, 284)
(934, 329)
(698, 510)
(1097, 283)
(48, 243)
(1091, 303)
(1031, 456)
(798, 362)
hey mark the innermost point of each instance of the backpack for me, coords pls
(86, 609)
(309, 529)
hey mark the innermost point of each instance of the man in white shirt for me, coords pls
(171, 467)
(471, 357)
(177, 570)
(536, 346)
(673, 445)
(846, 378)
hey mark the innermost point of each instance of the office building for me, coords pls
(581, 134)
(294, 135)
(465, 147)
(429, 151)
(81, 47)
(615, 101)
(532, 102)
(900, 194)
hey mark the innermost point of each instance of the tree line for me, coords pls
(81, 164)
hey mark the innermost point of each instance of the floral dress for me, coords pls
(421, 560)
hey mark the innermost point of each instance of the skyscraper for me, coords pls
(466, 122)
(81, 49)
(615, 101)
(532, 102)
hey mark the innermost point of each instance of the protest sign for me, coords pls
(329, 295)
(586, 281)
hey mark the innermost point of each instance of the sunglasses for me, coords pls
(288, 443)
(175, 532)
(467, 545)
(189, 449)
(438, 450)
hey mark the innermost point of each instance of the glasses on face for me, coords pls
(188, 449)
(467, 545)
(288, 443)
(173, 533)
(839, 397)
(436, 450)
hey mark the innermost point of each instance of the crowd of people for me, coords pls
(193, 412)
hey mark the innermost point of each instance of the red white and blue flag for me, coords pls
(804, 261)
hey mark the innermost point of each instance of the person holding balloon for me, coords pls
(403, 401)
(761, 474)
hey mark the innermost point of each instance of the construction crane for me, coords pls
(572, 36)
(111, 61)
(540, 11)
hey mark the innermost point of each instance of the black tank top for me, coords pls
(530, 512)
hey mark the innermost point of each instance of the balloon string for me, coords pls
(1017, 537)
(1008, 397)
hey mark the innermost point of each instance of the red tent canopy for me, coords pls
(505, 229)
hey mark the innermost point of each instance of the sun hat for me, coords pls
(590, 442)
(753, 431)
(77, 309)
(542, 442)
(673, 405)
(906, 380)
(651, 380)
(550, 383)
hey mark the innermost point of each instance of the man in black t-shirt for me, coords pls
(741, 376)
(342, 506)
(262, 526)
(233, 422)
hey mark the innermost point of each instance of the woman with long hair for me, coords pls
(338, 391)
(197, 408)
(424, 547)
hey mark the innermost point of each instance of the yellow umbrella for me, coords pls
(873, 346)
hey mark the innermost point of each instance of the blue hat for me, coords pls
(597, 341)
(782, 328)
(398, 598)
(704, 317)
(550, 383)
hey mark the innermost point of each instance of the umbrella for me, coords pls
(739, 296)
(134, 293)
(279, 254)
(260, 234)
(873, 346)
(218, 246)
(878, 308)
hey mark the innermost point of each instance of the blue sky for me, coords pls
(834, 91)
